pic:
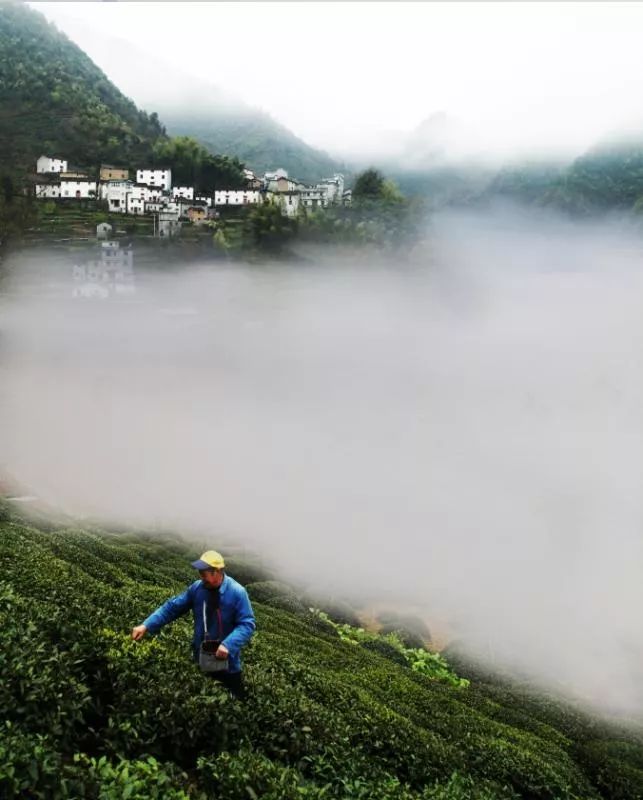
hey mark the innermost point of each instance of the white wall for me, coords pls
(183, 191)
(46, 164)
(237, 197)
(78, 189)
(48, 190)
(155, 177)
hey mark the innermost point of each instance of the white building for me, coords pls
(314, 198)
(204, 199)
(186, 192)
(77, 189)
(116, 192)
(288, 202)
(237, 197)
(333, 189)
(139, 196)
(168, 224)
(48, 191)
(158, 178)
(47, 164)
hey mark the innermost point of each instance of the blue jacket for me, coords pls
(237, 617)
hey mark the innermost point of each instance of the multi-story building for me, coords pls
(159, 178)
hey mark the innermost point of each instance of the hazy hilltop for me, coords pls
(55, 100)
(443, 160)
(254, 137)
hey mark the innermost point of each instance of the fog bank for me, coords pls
(462, 436)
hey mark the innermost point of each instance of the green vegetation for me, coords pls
(193, 165)
(331, 712)
(371, 186)
(55, 101)
(608, 177)
(254, 230)
(254, 138)
(390, 645)
(379, 215)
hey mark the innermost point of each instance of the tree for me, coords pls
(369, 185)
(267, 228)
(193, 165)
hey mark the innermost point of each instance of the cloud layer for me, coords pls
(461, 435)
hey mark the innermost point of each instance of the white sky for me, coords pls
(348, 77)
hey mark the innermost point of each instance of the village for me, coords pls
(154, 195)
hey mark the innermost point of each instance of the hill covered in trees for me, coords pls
(55, 100)
(332, 711)
(605, 179)
(255, 138)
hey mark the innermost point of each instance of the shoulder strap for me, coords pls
(205, 622)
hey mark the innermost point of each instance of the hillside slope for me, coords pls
(88, 713)
(256, 139)
(54, 100)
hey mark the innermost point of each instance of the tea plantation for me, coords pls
(331, 712)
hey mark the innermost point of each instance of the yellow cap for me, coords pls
(209, 560)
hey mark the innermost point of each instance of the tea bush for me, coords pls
(332, 711)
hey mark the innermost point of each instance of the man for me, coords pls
(222, 611)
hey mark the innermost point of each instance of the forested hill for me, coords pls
(54, 100)
(332, 711)
(607, 178)
(255, 138)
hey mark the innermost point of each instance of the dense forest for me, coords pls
(332, 711)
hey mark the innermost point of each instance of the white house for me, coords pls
(186, 192)
(47, 164)
(288, 201)
(237, 197)
(333, 189)
(159, 178)
(116, 192)
(168, 224)
(77, 189)
(48, 190)
(139, 196)
(314, 198)
(135, 204)
(203, 199)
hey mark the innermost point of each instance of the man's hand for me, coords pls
(138, 632)
(222, 652)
